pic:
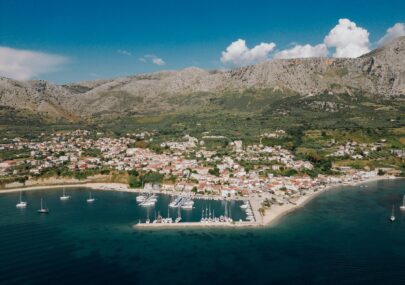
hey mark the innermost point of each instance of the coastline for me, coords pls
(271, 217)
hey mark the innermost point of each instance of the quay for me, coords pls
(196, 225)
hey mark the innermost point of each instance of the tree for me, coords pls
(262, 212)
(214, 171)
(380, 172)
(134, 182)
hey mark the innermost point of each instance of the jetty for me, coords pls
(195, 225)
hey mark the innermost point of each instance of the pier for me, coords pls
(196, 225)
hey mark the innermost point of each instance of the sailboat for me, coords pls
(147, 216)
(392, 218)
(90, 199)
(403, 204)
(64, 196)
(43, 210)
(21, 204)
(178, 219)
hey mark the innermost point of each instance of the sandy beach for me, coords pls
(277, 212)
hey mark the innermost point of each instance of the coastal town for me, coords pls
(271, 178)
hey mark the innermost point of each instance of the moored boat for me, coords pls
(64, 197)
(403, 204)
(392, 218)
(43, 210)
(21, 203)
(90, 199)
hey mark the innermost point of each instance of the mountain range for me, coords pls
(270, 87)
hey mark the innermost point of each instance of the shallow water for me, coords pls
(342, 236)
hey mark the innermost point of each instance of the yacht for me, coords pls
(188, 204)
(64, 196)
(21, 204)
(158, 220)
(150, 201)
(176, 202)
(43, 210)
(90, 199)
(403, 204)
(392, 218)
(140, 198)
(178, 219)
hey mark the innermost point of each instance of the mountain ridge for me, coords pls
(379, 74)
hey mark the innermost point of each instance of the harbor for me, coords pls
(183, 211)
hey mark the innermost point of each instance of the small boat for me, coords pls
(176, 202)
(140, 198)
(64, 196)
(21, 204)
(178, 219)
(392, 218)
(43, 210)
(188, 204)
(90, 199)
(403, 204)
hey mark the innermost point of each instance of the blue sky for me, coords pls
(103, 39)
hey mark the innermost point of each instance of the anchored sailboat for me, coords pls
(21, 204)
(43, 210)
(90, 199)
(392, 218)
(403, 204)
(64, 196)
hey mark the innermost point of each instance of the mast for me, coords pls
(20, 196)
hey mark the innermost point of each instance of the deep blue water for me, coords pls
(340, 237)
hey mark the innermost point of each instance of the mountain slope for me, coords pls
(379, 75)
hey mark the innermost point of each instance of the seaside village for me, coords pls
(197, 171)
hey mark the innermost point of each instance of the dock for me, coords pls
(195, 225)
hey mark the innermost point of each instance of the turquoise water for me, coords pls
(341, 237)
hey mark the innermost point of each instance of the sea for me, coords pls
(342, 236)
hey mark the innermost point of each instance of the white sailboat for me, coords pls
(64, 196)
(178, 219)
(392, 218)
(403, 204)
(21, 204)
(90, 199)
(43, 210)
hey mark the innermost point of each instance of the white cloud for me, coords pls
(392, 33)
(303, 51)
(153, 59)
(124, 52)
(158, 61)
(348, 39)
(238, 54)
(24, 64)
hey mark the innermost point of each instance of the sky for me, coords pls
(68, 41)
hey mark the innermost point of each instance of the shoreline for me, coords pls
(271, 217)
